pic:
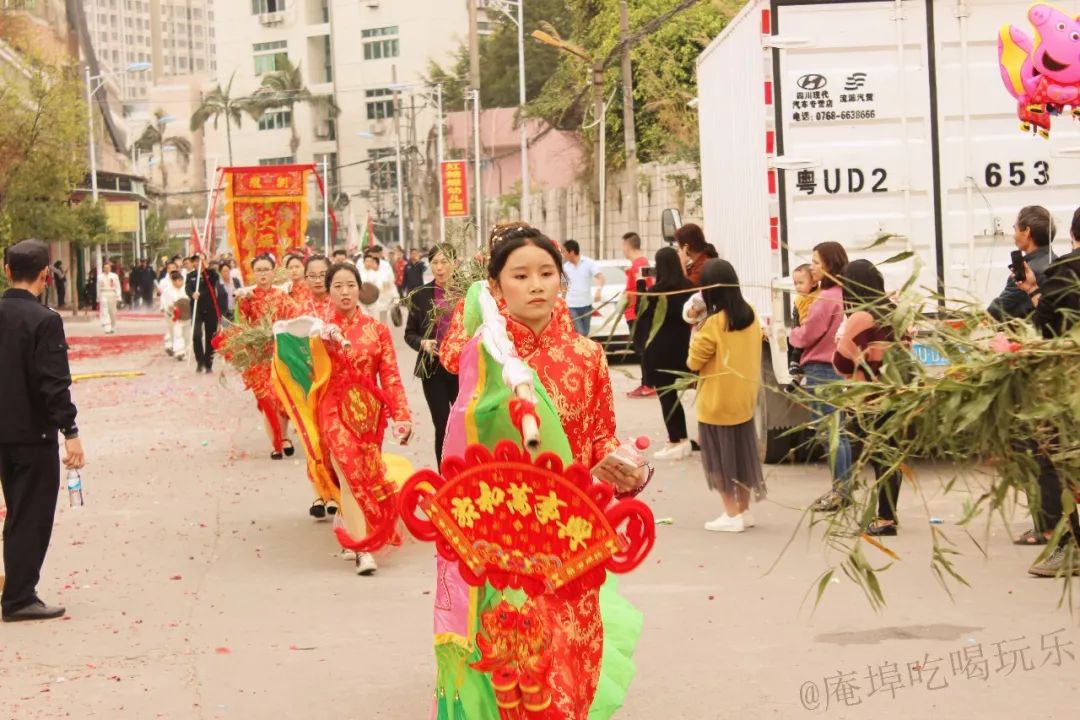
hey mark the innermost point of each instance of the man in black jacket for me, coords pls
(35, 383)
(1033, 232)
(203, 288)
(414, 271)
(1056, 299)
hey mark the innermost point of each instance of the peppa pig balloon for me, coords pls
(1042, 73)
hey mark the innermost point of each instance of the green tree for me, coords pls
(220, 102)
(154, 138)
(285, 88)
(42, 148)
(672, 34)
(499, 60)
(499, 54)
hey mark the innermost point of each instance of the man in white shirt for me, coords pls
(163, 284)
(581, 272)
(172, 295)
(108, 295)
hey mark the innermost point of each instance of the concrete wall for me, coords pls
(567, 213)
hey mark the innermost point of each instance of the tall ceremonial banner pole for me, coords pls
(211, 202)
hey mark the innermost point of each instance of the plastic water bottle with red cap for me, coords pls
(632, 451)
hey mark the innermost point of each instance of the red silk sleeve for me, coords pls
(605, 439)
(390, 377)
(455, 340)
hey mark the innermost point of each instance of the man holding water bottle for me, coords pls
(35, 383)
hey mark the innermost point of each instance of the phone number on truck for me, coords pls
(846, 115)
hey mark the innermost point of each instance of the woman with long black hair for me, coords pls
(430, 308)
(861, 343)
(664, 353)
(726, 353)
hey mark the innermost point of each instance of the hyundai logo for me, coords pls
(812, 82)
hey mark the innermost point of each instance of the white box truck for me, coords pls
(848, 121)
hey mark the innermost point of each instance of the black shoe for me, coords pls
(694, 447)
(198, 368)
(317, 510)
(331, 508)
(289, 449)
(35, 611)
(884, 530)
(275, 456)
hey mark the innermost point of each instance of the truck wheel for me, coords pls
(773, 445)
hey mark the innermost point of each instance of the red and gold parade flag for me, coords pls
(266, 210)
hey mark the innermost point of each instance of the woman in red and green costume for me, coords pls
(363, 397)
(510, 319)
(266, 304)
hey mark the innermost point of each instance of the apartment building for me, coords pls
(175, 36)
(372, 56)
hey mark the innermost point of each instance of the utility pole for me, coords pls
(402, 239)
(474, 47)
(598, 180)
(629, 132)
(474, 93)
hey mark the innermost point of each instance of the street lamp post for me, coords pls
(519, 21)
(440, 152)
(91, 90)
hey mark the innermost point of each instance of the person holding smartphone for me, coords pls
(1033, 232)
(639, 270)
(1056, 299)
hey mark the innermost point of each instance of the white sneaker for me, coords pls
(724, 523)
(348, 555)
(748, 518)
(678, 451)
(365, 564)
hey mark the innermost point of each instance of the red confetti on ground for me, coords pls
(84, 348)
(176, 577)
(222, 650)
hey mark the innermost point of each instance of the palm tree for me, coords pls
(220, 102)
(153, 138)
(284, 88)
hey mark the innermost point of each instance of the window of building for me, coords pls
(328, 60)
(379, 49)
(270, 56)
(287, 160)
(380, 104)
(200, 64)
(183, 63)
(264, 6)
(382, 169)
(276, 120)
(380, 43)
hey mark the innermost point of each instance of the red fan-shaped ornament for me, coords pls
(520, 522)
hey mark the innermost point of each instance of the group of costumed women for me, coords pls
(513, 644)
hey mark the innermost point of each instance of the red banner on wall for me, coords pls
(266, 210)
(455, 189)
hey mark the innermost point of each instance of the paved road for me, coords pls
(198, 587)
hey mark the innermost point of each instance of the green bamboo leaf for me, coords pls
(823, 584)
(658, 318)
(880, 240)
(899, 257)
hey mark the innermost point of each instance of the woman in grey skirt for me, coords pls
(726, 354)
